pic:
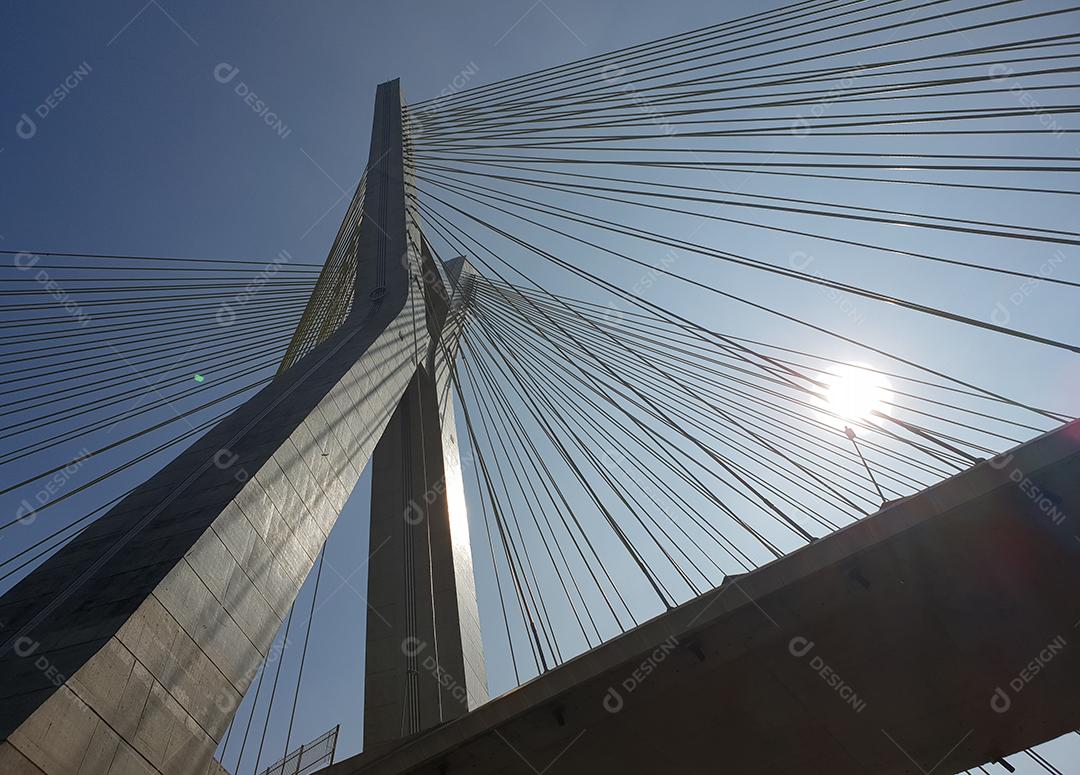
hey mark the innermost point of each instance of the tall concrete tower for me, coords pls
(129, 650)
(425, 661)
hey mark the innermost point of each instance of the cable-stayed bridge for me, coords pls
(700, 400)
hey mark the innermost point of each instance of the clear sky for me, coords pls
(149, 152)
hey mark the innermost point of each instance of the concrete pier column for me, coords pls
(129, 650)
(425, 659)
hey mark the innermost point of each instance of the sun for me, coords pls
(852, 394)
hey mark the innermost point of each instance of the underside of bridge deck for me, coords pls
(935, 635)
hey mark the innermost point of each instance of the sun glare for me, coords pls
(852, 394)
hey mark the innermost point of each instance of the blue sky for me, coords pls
(149, 151)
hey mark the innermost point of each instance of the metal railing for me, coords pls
(309, 757)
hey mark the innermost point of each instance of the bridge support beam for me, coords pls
(129, 650)
(424, 657)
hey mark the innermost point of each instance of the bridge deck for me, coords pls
(935, 635)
